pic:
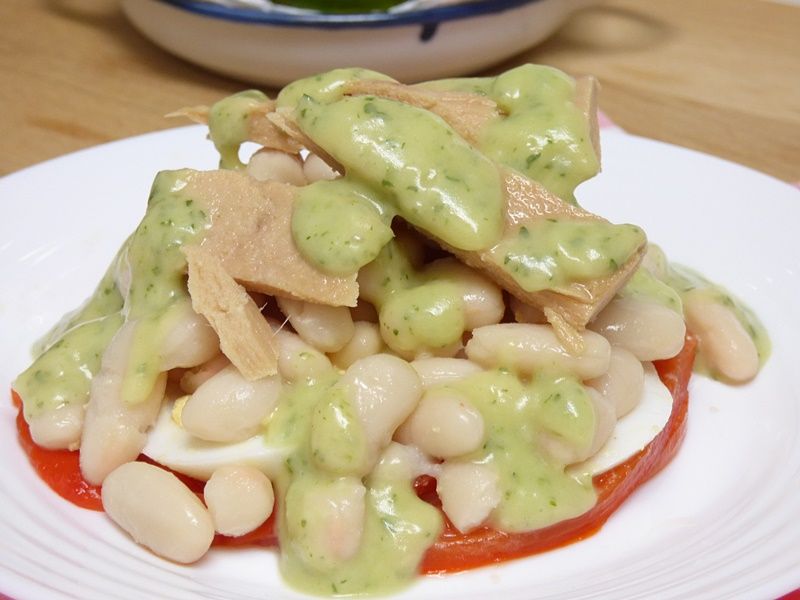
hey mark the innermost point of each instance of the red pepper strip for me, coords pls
(456, 551)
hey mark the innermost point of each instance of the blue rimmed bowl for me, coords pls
(275, 47)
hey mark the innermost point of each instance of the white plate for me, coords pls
(720, 522)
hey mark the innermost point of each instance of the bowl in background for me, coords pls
(275, 47)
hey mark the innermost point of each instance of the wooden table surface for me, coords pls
(721, 76)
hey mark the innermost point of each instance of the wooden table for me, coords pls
(721, 76)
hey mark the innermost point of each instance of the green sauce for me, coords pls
(228, 122)
(429, 317)
(324, 87)
(338, 227)
(158, 275)
(314, 417)
(417, 313)
(338, 441)
(390, 272)
(69, 356)
(643, 285)
(535, 490)
(398, 529)
(106, 300)
(551, 253)
(541, 133)
(410, 162)
(415, 162)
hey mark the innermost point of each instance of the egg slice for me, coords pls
(170, 445)
(635, 430)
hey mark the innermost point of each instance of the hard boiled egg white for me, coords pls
(170, 445)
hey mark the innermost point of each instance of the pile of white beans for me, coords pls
(408, 418)
(398, 401)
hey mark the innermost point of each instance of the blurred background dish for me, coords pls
(275, 46)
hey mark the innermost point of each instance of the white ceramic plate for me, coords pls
(720, 522)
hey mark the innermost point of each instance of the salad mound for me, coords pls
(390, 341)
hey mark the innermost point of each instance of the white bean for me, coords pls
(366, 341)
(438, 370)
(197, 376)
(649, 330)
(325, 521)
(622, 385)
(230, 408)
(58, 428)
(114, 431)
(158, 511)
(298, 360)
(469, 493)
(483, 299)
(316, 169)
(722, 340)
(444, 425)
(404, 463)
(384, 390)
(527, 348)
(327, 328)
(239, 498)
(275, 165)
(190, 341)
